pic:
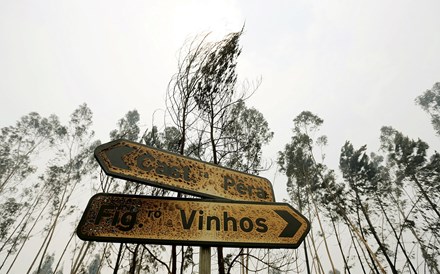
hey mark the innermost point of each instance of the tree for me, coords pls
(212, 120)
(307, 180)
(73, 162)
(205, 81)
(94, 266)
(430, 102)
(47, 266)
(138, 256)
(128, 127)
(245, 134)
(19, 145)
(360, 174)
(417, 177)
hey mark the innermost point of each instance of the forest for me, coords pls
(377, 213)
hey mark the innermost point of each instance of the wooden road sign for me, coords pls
(159, 220)
(131, 161)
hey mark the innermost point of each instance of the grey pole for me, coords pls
(205, 260)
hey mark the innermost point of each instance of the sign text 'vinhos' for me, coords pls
(144, 219)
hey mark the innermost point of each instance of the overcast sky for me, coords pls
(357, 64)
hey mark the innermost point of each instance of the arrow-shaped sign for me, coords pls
(143, 219)
(152, 166)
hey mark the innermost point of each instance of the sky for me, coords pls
(359, 65)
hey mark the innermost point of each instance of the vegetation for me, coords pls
(377, 213)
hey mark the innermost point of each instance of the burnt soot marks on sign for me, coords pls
(166, 220)
(246, 224)
(144, 164)
(244, 216)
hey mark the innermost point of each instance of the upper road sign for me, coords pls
(158, 220)
(144, 164)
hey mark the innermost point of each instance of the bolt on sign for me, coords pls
(132, 161)
(167, 220)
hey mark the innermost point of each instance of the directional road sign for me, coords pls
(159, 220)
(132, 161)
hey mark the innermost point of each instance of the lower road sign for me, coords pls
(160, 220)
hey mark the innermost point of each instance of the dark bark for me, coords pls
(118, 259)
(374, 233)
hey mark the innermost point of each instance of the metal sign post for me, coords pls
(205, 260)
(241, 213)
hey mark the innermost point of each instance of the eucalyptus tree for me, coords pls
(417, 177)
(232, 134)
(20, 145)
(182, 108)
(214, 95)
(148, 257)
(137, 256)
(307, 180)
(362, 175)
(245, 133)
(407, 184)
(410, 159)
(65, 174)
(181, 92)
(430, 102)
(210, 114)
(47, 266)
(128, 127)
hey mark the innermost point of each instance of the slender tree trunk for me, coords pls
(220, 260)
(247, 260)
(323, 234)
(133, 260)
(25, 219)
(18, 165)
(51, 233)
(118, 259)
(425, 195)
(173, 259)
(53, 226)
(182, 261)
(26, 216)
(361, 238)
(353, 241)
(62, 204)
(431, 264)
(39, 250)
(298, 194)
(372, 257)
(64, 251)
(315, 257)
(399, 243)
(373, 231)
(338, 240)
(139, 265)
(27, 236)
(80, 257)
(101, 260)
